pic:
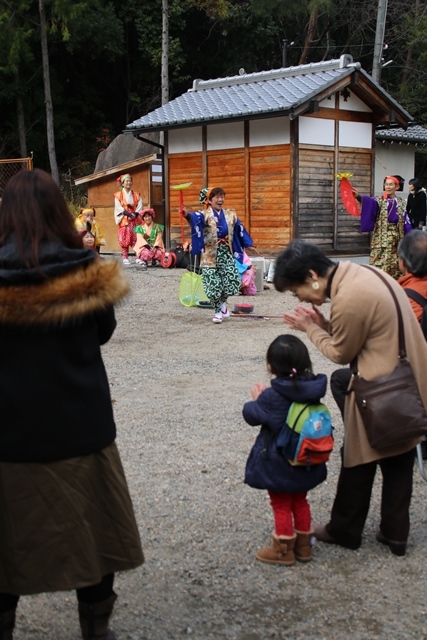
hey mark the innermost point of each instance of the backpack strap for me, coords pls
(417, 297)
(293, 427)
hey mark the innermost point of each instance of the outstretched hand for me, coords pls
(257, 389)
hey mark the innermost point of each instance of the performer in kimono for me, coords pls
(85, 221)
(149, 239)
(218, 236)
(127, 204)
(386, 217)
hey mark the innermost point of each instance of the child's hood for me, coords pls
(301, 389)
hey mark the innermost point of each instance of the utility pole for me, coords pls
(284, 52)
(379, 40)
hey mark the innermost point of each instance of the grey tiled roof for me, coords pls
(413, 134)
(251, 95)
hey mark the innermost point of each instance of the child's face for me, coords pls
(88, 241)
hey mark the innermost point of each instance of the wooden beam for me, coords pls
(342, 114)
(117, 169)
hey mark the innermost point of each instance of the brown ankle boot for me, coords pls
(281, 552)
(7, 624)
(303, 545)
(94, 619)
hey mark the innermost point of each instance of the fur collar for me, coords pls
(84, 290)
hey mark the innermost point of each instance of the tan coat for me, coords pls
(363, 322)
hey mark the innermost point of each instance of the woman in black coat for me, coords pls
(416, 206)
(66, 518)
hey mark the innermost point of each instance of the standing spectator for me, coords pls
(127, 204)
(289, 362)
(412, 251)
(417, 204)
(66, 518)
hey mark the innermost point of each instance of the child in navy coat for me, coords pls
(288, 360)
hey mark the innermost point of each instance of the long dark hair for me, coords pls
(33, 209)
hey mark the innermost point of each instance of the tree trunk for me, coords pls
(312, 25)
(48, 96)
(165, 52)
(409, 55)
(379, 40)
(21, 121)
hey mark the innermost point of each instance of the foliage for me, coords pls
(105, 59)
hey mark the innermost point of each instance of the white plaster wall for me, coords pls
(225, 136)
(316, 131)
(355, 134)
(353, 104)
(329, 103)
(269, 131)
(185, 140)
(393, 159)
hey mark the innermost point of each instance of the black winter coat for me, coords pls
(416, 208)
(266, 467)
(54, 393)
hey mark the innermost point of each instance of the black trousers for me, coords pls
(95, 593)
(353, 495)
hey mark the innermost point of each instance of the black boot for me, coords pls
(94, 619)
(7, 623)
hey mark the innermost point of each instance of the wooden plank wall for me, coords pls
(270, 223)
(316, 195)
(359, 163)
(318, 192)
(183, 168)
(267, 189)
(101, 196)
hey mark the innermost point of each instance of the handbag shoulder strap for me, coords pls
(401, 332)
(411, 293)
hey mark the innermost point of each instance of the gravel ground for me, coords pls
(179, 383)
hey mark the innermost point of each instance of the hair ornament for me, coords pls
(120, 180)
(293, 372)
(204, 195)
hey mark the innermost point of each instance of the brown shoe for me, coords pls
(281, 552)
(302, 548)
(322, 535)
(397, 548)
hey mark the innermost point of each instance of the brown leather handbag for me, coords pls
(391, 407)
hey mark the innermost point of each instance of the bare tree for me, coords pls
(48, 96)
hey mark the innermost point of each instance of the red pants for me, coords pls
(291, 511)
(127, 239)
(151, 254)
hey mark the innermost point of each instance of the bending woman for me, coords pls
(219, 236)
(386, 218)
(62, 482)
(361, 324)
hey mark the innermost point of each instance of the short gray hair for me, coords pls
(412, 249)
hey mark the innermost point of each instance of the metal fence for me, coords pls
(8, 168)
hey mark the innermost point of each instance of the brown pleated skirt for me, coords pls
(65, 524)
